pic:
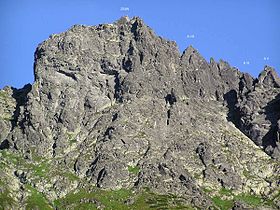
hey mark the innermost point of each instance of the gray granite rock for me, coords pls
(120, 107)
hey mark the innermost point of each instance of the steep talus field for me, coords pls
(117, 118)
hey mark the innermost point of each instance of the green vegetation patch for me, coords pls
(222, 204)
(11, 157)
(225, 203)
(133, 169)
(122, 199)
(70, 176)
(41, 169)
(90, 200)
(36, 200)
(150, 200)
(225, 191)
(252, 200)
(207, 190)
(248, 175)
(6, 201)
(270, 202)
(72, 137)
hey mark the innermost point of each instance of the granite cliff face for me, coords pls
(117, 111)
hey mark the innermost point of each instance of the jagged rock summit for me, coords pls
(117, 111)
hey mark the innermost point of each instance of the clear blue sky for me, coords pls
(246, 33)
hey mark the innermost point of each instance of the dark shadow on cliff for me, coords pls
(20, 95)
(272, 112)
(233, 113)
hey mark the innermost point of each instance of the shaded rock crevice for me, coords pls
(20, 95)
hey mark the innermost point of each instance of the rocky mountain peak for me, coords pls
(189, 51)
(192, 58)
(269, 77)
(123, 20)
